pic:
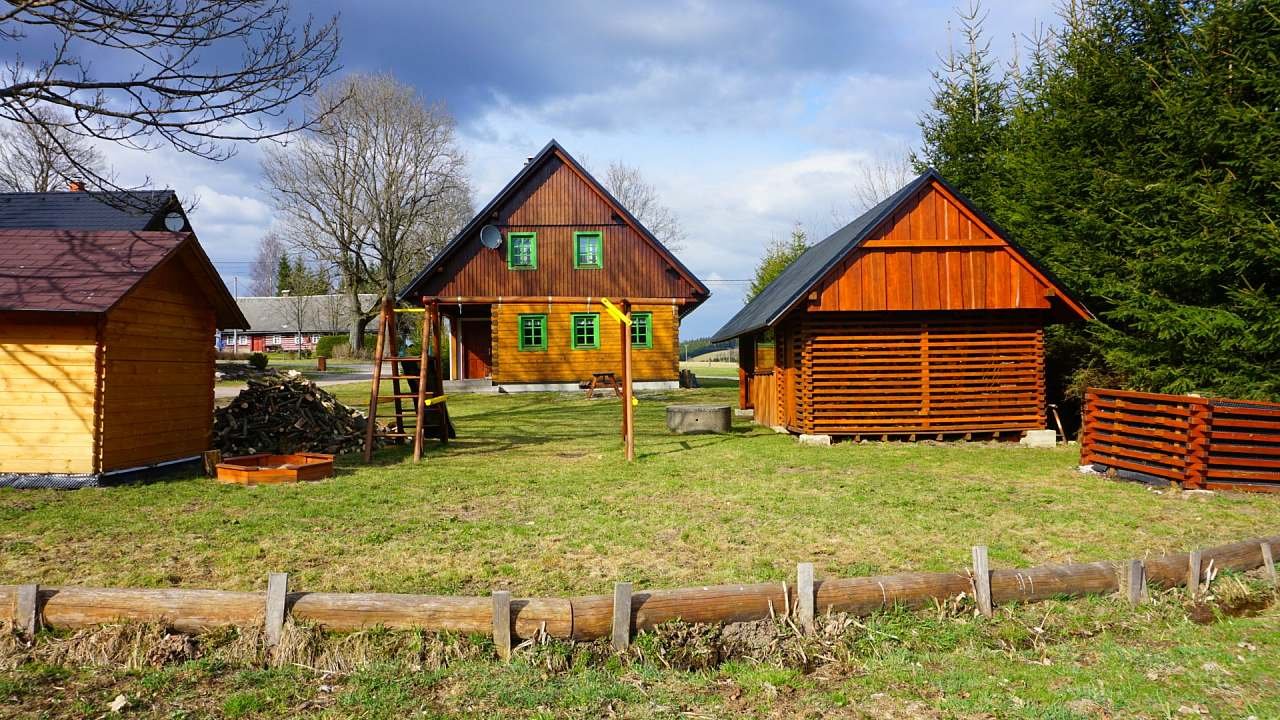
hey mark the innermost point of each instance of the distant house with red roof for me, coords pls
(106, 351)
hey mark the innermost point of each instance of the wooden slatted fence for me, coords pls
(1209, 443)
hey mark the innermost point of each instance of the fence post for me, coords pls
(26, 613)
(1269, 563)
(1137, 581)
(1090, 411)
(277, 594)
(1198, 422)
(621, 616)
(502, 623)
(1193, 574)
(982, 579)
(805, 598)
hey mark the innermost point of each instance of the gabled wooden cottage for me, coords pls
(919, 318)
(524, 309)
(106, 353)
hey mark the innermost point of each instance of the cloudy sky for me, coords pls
(747, 116)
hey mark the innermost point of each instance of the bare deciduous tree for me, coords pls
(881, 177)
(31, 160)
(264, 275)
(641, 199)
(196, 75)
(372, 189)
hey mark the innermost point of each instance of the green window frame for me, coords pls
(532, 332)
(588, 250)
(642, 330)
(522, 251)
(584, 330)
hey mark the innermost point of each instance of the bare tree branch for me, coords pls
(40, 158)
(641, 199)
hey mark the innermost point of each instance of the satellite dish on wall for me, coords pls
(490, 237)
(174, 222)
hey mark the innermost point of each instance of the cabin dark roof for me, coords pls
(552, 147)
(90, 271)
(800, 276)
(134, 210)
(279, 314)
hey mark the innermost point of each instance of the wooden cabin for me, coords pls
(920, 318)
(524, 309)
(106, 353)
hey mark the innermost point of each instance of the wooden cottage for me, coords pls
(521, 285)
(920, 318)
(106, 352)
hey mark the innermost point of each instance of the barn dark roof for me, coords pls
(793, 282)
(800, 276)
(134, 210)
(90, 271)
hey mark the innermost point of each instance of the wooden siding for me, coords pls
(158, 345)
(48, 379)
(561, 363)
(555, 203)
(932, 374)
(932, 254)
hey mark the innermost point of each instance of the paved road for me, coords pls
(362, 372)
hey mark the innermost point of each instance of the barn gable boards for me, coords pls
(934, 252)
(554, 197)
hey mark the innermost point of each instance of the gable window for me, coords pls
(275, 340)
(522, 251)
(588, 249)
(586, 331)
(642, 330)
(533, 332)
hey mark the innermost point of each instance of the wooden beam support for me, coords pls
(1137, 581)
(26, 609)
(982, 580)
(277, 595)
(805, 596)
(1193, 574)
(1269, 564)
(502, 623)
(621, 616)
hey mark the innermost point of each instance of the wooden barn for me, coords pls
(521, 285)
(920, 318)
(106, 353)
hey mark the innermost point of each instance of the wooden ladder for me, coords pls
(424, 397)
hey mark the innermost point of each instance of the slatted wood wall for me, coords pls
(867, 374)
(1213, 443)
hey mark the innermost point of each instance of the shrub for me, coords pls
(258, 361)
(335, 346)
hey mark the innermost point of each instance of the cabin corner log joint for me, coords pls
(920, 318)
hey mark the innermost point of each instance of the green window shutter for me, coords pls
(532, 332)
(586, 331)
(522, 251)
(588, 250)
(642, 330)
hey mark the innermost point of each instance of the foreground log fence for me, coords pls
(620, 615)
(1201, 443)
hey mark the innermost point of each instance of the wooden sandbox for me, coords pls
(266, 468)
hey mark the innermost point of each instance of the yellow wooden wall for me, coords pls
(47, 379)
(158, 387)
(561, 363)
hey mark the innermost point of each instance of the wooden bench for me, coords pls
(604, 380)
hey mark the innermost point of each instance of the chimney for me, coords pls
(528, 160)
(75, 186)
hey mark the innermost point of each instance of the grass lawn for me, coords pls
(534, 496)
(704, 369)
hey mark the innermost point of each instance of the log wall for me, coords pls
(1213, 443)
(158, 345)
(560, 362)
(48, 378)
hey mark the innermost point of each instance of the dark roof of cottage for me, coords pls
(800, 276)
(90, 271)
(131, 210)
(279, 314)
(511, 187)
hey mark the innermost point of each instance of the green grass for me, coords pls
(711, 369)
(534, 496)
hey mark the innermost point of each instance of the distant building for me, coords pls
(287, 324)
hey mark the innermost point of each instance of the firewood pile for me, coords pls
(242, 371)
(286, 414)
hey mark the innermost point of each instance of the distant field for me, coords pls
(703, 368)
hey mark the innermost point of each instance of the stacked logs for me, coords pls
(286, 414)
